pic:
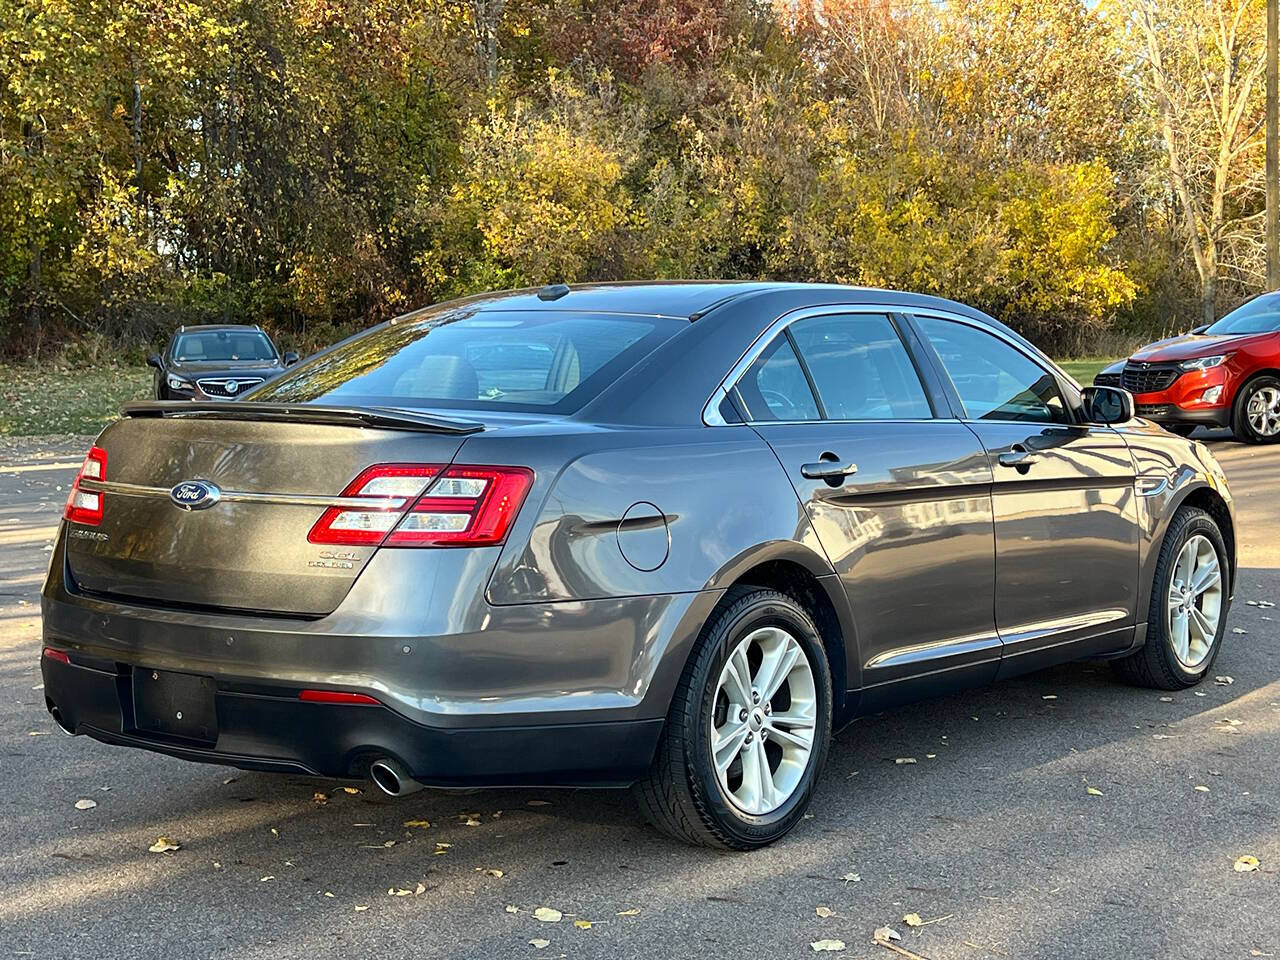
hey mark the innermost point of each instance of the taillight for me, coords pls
(85, 506)
(468, 506)
(386, 489)
(426, 505)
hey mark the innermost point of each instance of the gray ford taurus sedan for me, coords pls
(661, 535)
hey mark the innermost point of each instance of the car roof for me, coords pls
(683, 299)
(214, 327)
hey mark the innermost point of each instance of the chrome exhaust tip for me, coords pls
(392, 779)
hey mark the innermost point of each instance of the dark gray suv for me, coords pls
(661, 535)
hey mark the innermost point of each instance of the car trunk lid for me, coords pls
(275, 471)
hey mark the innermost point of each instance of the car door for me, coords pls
(1065, 508)
(898, 496)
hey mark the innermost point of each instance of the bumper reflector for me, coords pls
(338, 696)
(57, 655)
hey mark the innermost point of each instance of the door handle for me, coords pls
(1018, 457)
(832, 471)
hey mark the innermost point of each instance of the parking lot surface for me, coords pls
(1058, 815)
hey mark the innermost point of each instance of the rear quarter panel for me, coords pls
(605, 504)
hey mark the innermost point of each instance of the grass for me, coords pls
(1084, 368)
(41, 399)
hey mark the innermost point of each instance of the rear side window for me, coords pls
(775, 387)
(518, 361)
(860, 368)
(994, 380)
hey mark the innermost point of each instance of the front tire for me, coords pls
(1256, 415)
(1190, 599)
(748, 729)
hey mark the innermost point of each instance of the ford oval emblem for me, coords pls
(195, 495)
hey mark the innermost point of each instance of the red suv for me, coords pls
(1224, 374)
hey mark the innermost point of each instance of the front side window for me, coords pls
(775, 387)
(860, 368)
(520, 361)
(994, 380)
(222, 345)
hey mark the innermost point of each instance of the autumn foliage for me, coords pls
(317, 165)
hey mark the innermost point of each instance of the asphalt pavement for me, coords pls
(1058, 815)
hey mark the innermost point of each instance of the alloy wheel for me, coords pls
(764, 714)
(1195, 601)
(1263, 411)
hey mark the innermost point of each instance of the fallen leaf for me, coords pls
(417, 823)
(1049, 696)
(824, 912)
(1199, 693)
(420, 889)
(86, 804)
(269, 876)
(904, 760)
(1166, 699)
(826, 946)
(164, 845)
(320, 798)
(1246, 864)
(1231, 722)
(1202, 788)
(633, 912)
(38, 733)
(360, 907)
(538, 943)
(512, 909)
(329, 893)
(887, 933)
(1093, 791)
(1224, 681)
(351, 790)
(582, 924)
(471, 822)
(229, 780)
(913, 920)
(851, 878)
(1238, 630)
(1162, 736)
(547, 915)
(1265, 603)
(399, 892)
(489, 872)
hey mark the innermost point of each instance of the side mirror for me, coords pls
(1107, 405)
(154, 361)
(1200, 329)
(290, 358)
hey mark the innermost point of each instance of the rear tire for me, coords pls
(690, 797)
(1256, 415)
(1158, 664)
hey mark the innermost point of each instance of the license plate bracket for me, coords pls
(178, 705)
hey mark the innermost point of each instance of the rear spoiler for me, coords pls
(386, 418)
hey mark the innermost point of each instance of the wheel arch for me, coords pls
(1212, 503)
(810, 581)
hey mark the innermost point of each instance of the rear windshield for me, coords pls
(223, 345)
(535, 361)
(1259, 315)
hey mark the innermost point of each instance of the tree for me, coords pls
(1201, 69)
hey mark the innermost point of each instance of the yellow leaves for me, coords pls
(164, 845)
(547, 915)
(582, 924)
(1093, 791)
(1246, 864)
(913, 920)
(423, 824)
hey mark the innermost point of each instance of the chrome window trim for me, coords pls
(711, 409)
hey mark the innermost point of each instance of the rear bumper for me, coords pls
(263, 727)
